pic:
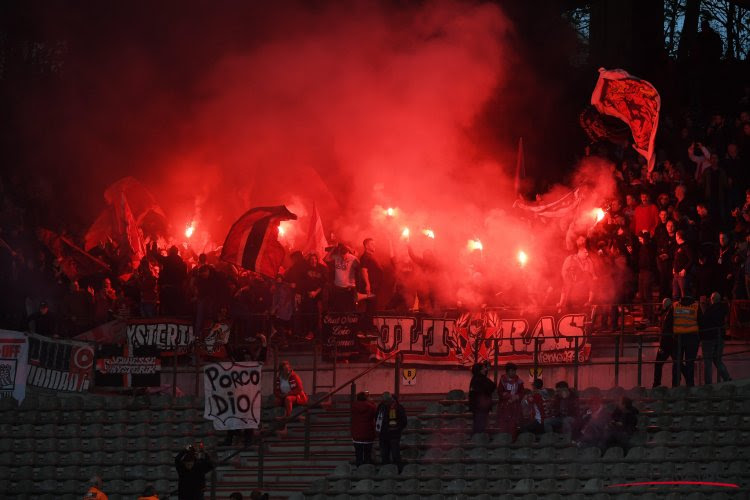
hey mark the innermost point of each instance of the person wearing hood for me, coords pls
(390, 421)
(481, 389)
(363, 428)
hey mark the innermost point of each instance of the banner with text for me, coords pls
(59, 365)
(232, 395)
(14, 353)
(167, 335)
(472, 337)
(340, 333)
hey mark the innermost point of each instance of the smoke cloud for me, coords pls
(355, 107)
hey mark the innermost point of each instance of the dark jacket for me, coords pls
(363, 421)
(390, 420)
(192, 481)
(566, 407)
(713, 321)
(481, 389)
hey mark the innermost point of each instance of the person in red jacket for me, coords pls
(509, 390)
(363, 428)
(288, 388)
(645, 216)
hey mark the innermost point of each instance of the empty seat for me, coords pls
(524, 485)
(364, 471)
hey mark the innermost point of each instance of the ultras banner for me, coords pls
(60, 365)
(472, 337)
(14, 350)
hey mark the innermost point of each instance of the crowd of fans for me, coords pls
(598, 424)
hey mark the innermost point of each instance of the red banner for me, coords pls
(634, 101)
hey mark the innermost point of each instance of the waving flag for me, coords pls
(316, 236)
(632, 100)
(74, 261)
(252, 242)
(552, 210)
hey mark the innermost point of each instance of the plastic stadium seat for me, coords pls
(502, 439)
(409, 470)
(591, 469)
(481, 439)
(49, 403)
(500, 455)
(613, 454)
(456, 471)
(338, 486)
(430, 471)
(384, 486)
(521, 486)
(364, 471)
(593, 485)
(525, 439)
(430, 486)
(455, 486)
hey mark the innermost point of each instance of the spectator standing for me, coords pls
(43, 321)
(311, 286)
(288, 389)
(192, 465)
(78, 308)
(646, 263)
(667, 347)
(665, 249)
(481, 389)
(509, 391)
(645, 216)
(565, 413)
(681, 267)
(145, 281)
(372, 276)
(346, 267)
(171, 282)
(390, 421)
(363, 428)
(725, 265)
(104, 302)
(712, 339)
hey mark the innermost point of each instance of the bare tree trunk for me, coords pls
(672, 26)
(689, 29)
(731, 34)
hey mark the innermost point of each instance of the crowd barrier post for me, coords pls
(308, 419)
(261, 459)
(315, 368)
(640, 361)
(174, 374)
(536, 357)
(617, 359)
(497, 349)
(353, 395)
(575, 363)
(213, 483)
(197, 371)
(396, 378)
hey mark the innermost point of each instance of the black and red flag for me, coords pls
(252, 242)
(634, 101)
(74, 261)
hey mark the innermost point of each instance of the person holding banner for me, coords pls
(288, 388)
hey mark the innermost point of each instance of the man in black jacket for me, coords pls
(192, 466)
(390, 421)
(666, 341)
(712, 338)
(481, 390)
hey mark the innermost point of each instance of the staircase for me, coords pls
(286, 471)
